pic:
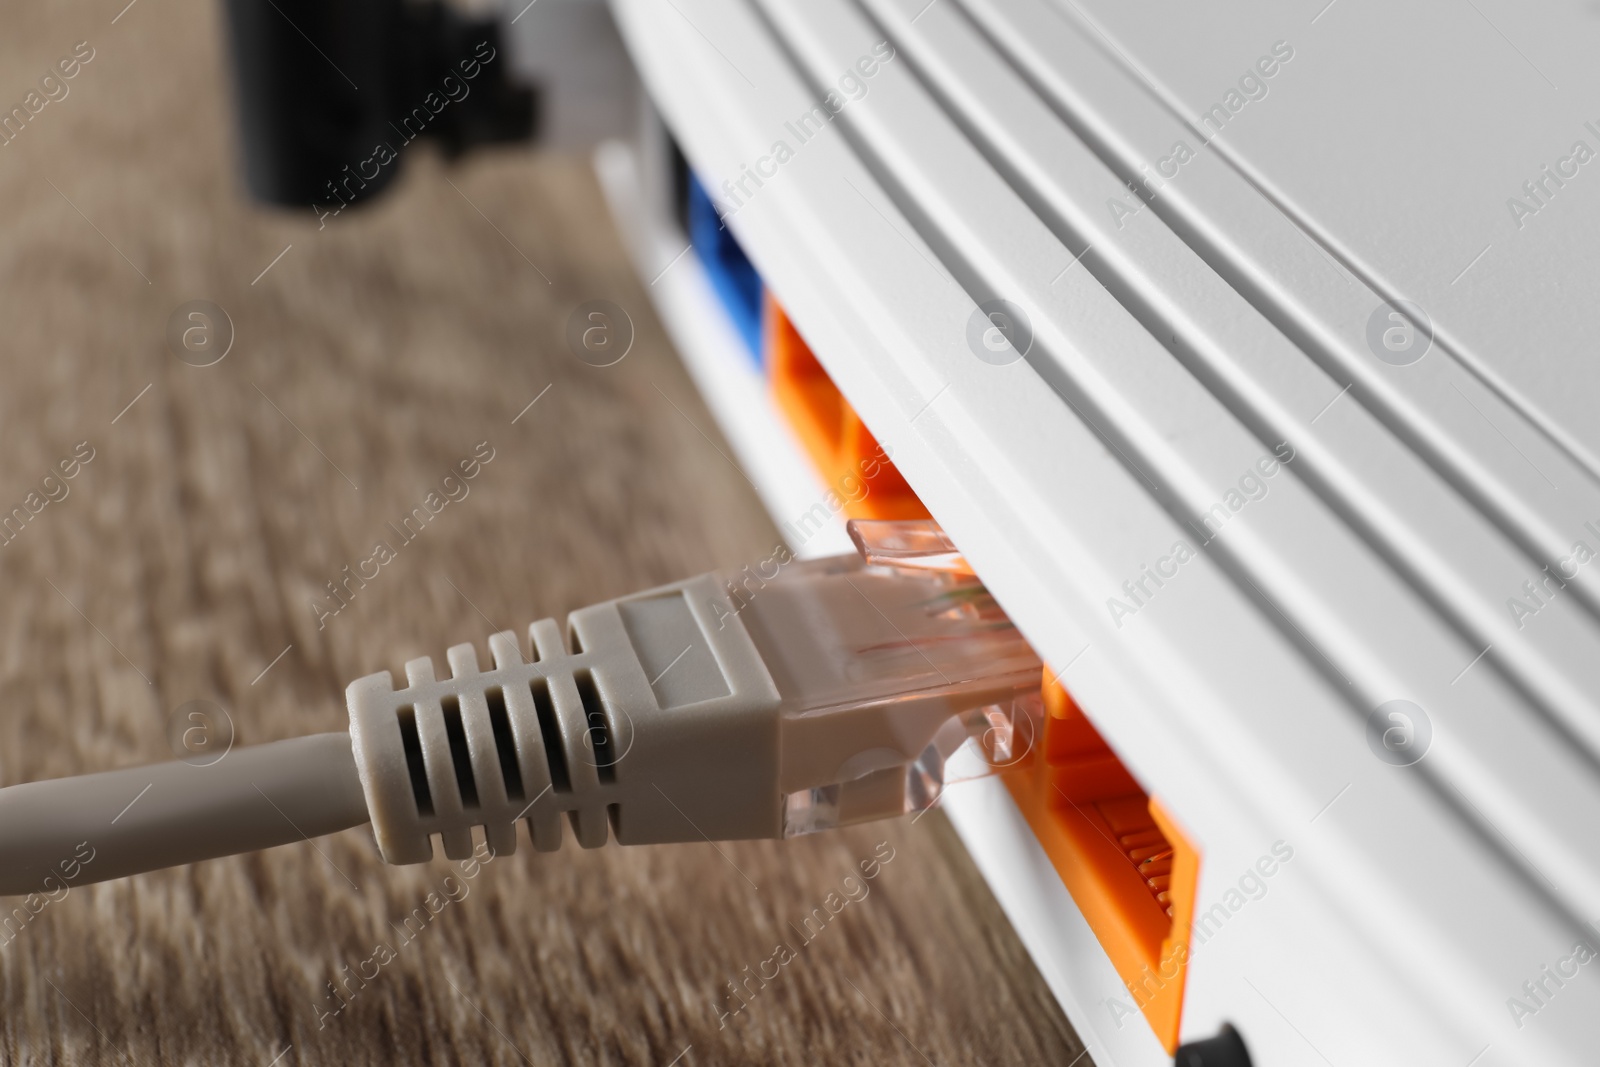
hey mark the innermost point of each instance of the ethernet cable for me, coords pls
(761, 703)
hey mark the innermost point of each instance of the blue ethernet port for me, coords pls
(733, 276)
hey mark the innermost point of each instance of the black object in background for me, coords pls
(1225, 1050)
(321, 84)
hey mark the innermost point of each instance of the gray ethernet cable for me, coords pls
(729, 706)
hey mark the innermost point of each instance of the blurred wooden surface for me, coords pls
(185, 560)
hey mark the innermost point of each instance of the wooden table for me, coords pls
(187, 556)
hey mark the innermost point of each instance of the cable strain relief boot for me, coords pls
(657, 719)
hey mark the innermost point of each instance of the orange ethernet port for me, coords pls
(1127, 865)
(844, 451)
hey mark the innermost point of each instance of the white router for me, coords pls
(1246, 353)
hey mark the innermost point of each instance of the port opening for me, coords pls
(844, 451)
(1125, 861)
(1129, 867)
(732, 274)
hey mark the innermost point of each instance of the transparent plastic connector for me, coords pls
(918, 544)
(974, 744)
(894, 682)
